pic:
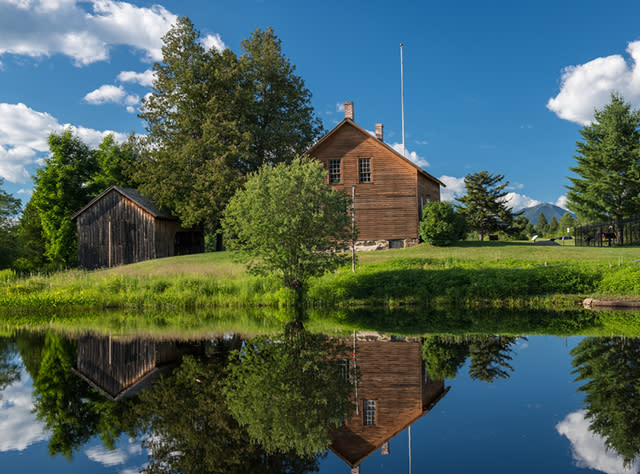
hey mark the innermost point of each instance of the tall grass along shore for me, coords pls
(471, 274)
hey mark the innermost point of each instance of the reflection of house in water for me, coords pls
(393, 392)
(120, 369)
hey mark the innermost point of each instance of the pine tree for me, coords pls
(484, 207)
(608, 166)
(554, 226)
(542, 226)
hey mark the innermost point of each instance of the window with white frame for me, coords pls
(334, 171)
(369, 412)
(364, 170)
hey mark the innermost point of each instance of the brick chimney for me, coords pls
(356, 469)
(348, 110)
(379, 133)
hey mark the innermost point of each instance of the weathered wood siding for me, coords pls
(132, 233)
(113, 365)
(388, 206)
(391, 373)
(427, 191)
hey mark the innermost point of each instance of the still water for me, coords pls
(234, 404)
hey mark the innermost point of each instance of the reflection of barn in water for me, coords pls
(120, 369)
(393, 392)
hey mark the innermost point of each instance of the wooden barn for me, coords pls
(390, 190)
(121, 226)
(393, 392)
(121, 368)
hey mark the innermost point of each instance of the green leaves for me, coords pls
(440, 224)
(287, 220)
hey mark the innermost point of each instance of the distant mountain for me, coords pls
(550, 211)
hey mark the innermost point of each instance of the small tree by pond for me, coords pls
(287, 220)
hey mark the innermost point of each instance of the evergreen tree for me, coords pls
(521, 228)
(484, 207)
(542, 226)
(115, 164)
(443, 356)
(61, 190)
(31, 243)
(490, 356)
(554, 226)
(608, 166)
(212, 118)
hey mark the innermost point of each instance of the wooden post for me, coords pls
(353, 228)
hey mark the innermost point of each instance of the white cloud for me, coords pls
(588, 86)
(422, 142)
(411, 155)
(145, 78)
(562, 201)
(19, 427)
(340, 107)
(27, 192)
(24, 133)
(85, 31)
(455, 188)
(588, 449)
(104, 94)
(105, 456)
(213, 41)
(519, 201)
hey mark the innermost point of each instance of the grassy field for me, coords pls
(495, 274)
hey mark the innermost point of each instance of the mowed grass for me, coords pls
(509, 274)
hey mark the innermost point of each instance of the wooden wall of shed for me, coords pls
(132, 233)
(114, 365)
(387, 208)
(391, 373)
(165, 235)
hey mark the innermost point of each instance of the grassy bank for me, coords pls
(492, 274)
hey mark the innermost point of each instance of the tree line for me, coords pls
(211, 119)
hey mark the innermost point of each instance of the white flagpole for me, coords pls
(404, 153)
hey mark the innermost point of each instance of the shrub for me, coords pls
(441, 225)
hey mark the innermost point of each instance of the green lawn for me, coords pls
(511, 274)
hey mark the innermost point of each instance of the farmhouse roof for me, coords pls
(347, 122)
(143, 202)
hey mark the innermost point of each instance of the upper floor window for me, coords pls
(369, 412)
(364, 169)
(334, 171)
(343, 366)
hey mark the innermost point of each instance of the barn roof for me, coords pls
(143, 202)
(347, 121)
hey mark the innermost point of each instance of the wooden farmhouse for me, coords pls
(121, 226)
(393, 392)
(390, 190)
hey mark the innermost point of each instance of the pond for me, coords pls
(364, 402)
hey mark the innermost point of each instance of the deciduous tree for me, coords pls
(441, 225)
(287, 220)
(9, 209)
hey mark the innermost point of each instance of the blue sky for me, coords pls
(503, 86)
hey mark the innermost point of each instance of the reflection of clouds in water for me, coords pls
(589, 449)
(19, 427)
(114, 457)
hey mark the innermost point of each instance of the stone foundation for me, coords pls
(367, 245)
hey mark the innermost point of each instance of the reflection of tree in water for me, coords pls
(611, 369)
(9, 368)
(489, 356)
(288, 391)
(72, 411)
(444, 355)
(189, 429)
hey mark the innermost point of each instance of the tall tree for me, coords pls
(483, 206)
(567, 222)
(61, 190)
(31, 243)
(277, 107)
(554, 226)
(9, 209)
(443, 356)
(212, 118)
(608, 165)
(542, 226)
(490, 356)
(196, 152)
